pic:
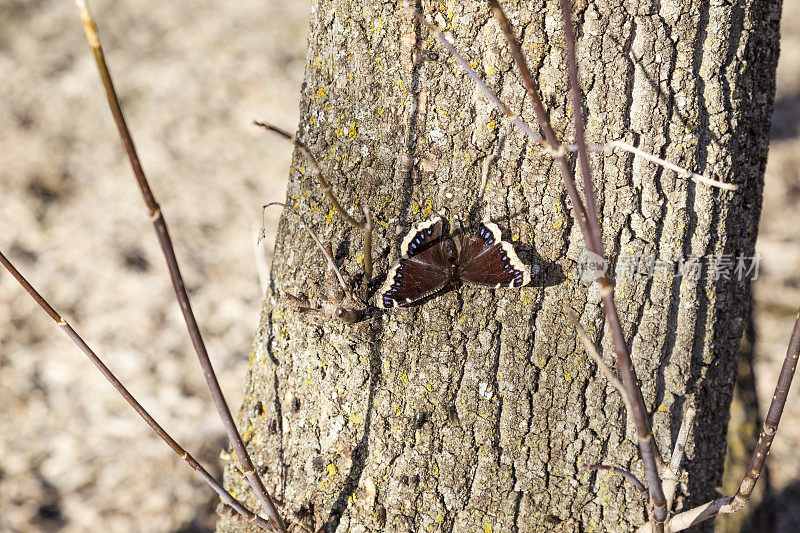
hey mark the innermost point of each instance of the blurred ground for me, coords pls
(192, 75)
(777, 290)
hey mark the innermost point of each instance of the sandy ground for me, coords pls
(777, 290)
(192, 75)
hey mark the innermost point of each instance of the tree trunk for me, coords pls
(476, 410)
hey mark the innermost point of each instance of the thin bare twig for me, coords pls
(697, 178)
(612, 376)
(514, 118)
(165, 241)
(624, 364)
(671, 473)
(140, 410)
(262, 266)
(577, 122)
(318, 242)
(365, 226)
(367, 229)
(525, 128)
(590, 228)
(594, 353)
(732, 504)
(625, 474)
(544, 124)
(770, 426)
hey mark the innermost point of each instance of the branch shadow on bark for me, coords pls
(361, 450)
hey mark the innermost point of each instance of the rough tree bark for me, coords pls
(475, 410)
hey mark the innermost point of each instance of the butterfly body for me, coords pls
(429, 261)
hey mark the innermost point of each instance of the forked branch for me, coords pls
(325, 252)
(588, 221)
(732, 504)
(589, 224)
(140, 410)
(165, 241)
(525, 128)
(365, 226)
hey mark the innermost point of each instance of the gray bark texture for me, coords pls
(476, 410)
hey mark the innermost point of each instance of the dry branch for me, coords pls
(140, 410)
(165, 242)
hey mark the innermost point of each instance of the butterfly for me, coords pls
(430, 261)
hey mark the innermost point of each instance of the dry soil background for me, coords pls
(192, 75)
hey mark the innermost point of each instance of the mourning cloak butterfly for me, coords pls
(429, 261)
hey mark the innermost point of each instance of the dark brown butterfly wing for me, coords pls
(421, 237)
(488, 260)
(421, 270)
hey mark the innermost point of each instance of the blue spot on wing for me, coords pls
(418, 241)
